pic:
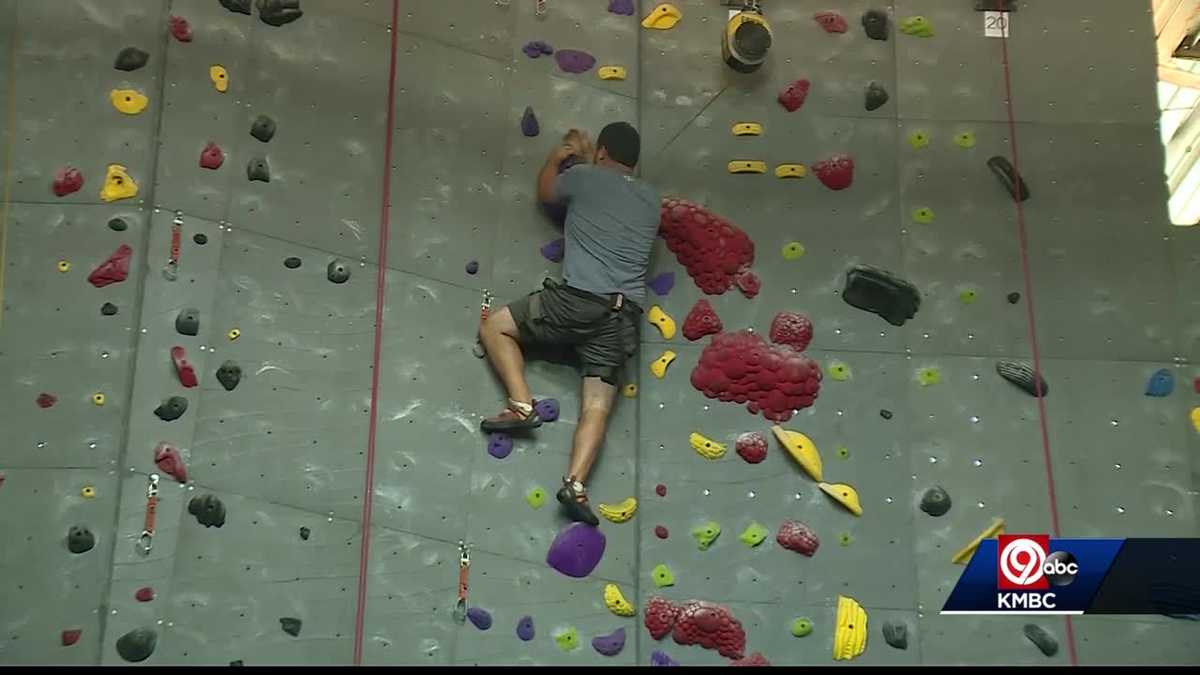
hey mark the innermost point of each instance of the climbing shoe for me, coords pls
(573, 497)
(516, 417)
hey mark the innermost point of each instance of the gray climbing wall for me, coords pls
(452, 180)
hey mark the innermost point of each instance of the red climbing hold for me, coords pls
(180, 29)
(711, 626)
(796, 536)
(212, 156)
(67, 180)
(793, 95)
(752, 447)
(168, 460)
(70, 637)
(701, 321)
(790, 328)
(144, 594)
(45, 400)
(660, 616)
(661, 532)
(712, 249)
(183, 367)
(832, 22)
(749, 283)
(113, 270)
(1196, 384)
(770, 379)
(836, 173)
(755, 659)
(661, 490)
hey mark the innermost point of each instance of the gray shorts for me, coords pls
(602, 337)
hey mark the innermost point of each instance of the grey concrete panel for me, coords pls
(580, 25)
(479, 28)
(374, 11)
(1185, 263)
(8, 27)
(1135, 642)
(990, 640)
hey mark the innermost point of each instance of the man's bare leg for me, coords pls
(595, 404)
(499, 337)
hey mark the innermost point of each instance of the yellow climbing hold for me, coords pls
(965, 140)
(233, 334)
(850, 635)
(801, 448)
(839, 371)
(621, 511)
(659, 366)
(967, 296)
(611, 73)
(117, 184)
(664, 17)
(1196, 419)
(747, 129)
(918, 139)
(64, 266)
(616, 602)
(793, 250)
(629, 390)
(128, 101)
(791, 171)
(663, 321)
(923, 215)
(844, 495)
(708, 448)
(747, 166)
(87, 492)
(219, 77)
(98, 398)
(964, 554)
(929, 376)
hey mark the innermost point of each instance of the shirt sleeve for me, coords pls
(569, 184)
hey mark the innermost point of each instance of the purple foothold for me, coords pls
(529, 123)
(547, 409)
(499, 445)
(622, 7)
(536, 49)
(525, 628)
(662, 284)
(576, 550)
(480, 617)
(553, 251)
(574, 61)
(659, 658)
(611, 644)
(473, 267)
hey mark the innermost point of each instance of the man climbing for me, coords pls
(611, 222)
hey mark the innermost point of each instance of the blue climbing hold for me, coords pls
(662, 284)
(622, 7)
(554, 250)
(1161, 383)
(529, 123)
(499, 445)
(480, 617)
(546, 409)
(661, 658)
(525, 628)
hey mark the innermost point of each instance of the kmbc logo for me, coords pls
(1025, 563)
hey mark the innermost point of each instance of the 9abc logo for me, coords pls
(1025, 563)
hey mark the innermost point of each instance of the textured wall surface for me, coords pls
(398, 143)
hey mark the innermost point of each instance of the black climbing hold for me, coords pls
(290, 625)
(229, 374)
(1014, 298)
(1023, 376)
(137, 645)
(1008, 177)
(208, 509)
(200, 238)
(882, 293)
(263, 128)
(876, 96)
(241, 7)
(171, 409)
(239, 661)
(118, 225)
(338, 272)
(278, 12)
(258, 169)
(935, 501)
(291, 263)
(896, 634)
(875, 22)
(1042, 638)
(80, 539)
(131, 58)
(188, 321)
(885, 414)
(108, 309)
(304, 532)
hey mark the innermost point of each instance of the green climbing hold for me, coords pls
(706, 534)
(928, 376)
(923, 215)
(845, 539)
(567, 640)
(536, 497)
(843, 452)
(753, 535)
(967, 296)
(918, 140)
(839, 371)
(965, 140)
(793, 250)
(917, 26)
(801, 627)
(662, 576)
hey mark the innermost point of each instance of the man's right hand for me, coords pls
(580, 144)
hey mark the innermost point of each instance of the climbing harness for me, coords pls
(464, 569)
(171, 269)
(485, 308)
(146, 541)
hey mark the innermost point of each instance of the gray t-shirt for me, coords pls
(612, 220)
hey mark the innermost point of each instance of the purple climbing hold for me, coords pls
(525, 628)
(547, 409)
(622, 7)
(662, 284)
(574, 61)
(576, 550)
(529, 123)
(660, 658)
(499, 445)
(611, 644)
(480, 617)
(553, 251)
(536, 49)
